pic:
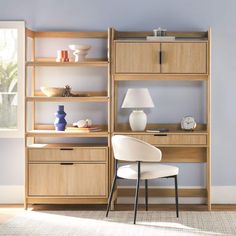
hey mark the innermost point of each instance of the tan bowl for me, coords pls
(52, 91)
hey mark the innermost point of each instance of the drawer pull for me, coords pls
(161, 135)
(67, 163)
(66, 149)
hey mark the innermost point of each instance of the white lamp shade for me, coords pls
(137, 98)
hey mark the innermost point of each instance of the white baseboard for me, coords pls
(223, 194)
(14, 194)
(11, 194)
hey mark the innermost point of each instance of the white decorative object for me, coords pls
(83, 123)
(160, 35)
(137, 98)
(188, 123)
(80, 51)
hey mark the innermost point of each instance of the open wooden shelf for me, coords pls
(47, 130)
(90, 62)
(173, 129)
(53, 133)
(67, 99)
(86, 96)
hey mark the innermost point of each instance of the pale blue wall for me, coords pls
(146, 15)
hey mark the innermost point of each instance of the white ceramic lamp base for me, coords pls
(138, 120)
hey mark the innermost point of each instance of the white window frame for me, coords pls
(20, 130)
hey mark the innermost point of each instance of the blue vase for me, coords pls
(60, 122)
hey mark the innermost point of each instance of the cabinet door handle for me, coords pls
(161, 135)
(160, 57)
(67, 163)
(66, 149)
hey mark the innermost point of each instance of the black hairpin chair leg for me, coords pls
(111, 194)
(136, 194)
(146, 194)
(176, 196)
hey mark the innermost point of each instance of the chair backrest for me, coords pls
(127, 148)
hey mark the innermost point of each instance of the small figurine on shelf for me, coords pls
(67, 92)
(60, 122)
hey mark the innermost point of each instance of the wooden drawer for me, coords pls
(76, 179)
(67, 154)
(173, 139)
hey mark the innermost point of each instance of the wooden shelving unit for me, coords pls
(95, 160)
(82, 164)
(188, 58)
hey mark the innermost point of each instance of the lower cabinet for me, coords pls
(67, 179)
(76, 172)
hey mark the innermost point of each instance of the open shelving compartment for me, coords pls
(82, 157)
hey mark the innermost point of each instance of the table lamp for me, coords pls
(137, 98)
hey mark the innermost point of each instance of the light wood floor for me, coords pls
(9, 211)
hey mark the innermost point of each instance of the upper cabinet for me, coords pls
(154, 57)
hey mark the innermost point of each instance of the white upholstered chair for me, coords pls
(145, 157)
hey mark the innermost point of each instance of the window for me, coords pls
(12, 58)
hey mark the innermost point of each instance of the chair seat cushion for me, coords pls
(147, 170)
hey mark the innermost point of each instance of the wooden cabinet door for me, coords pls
(137, 57)
(57, 179)
(184, 58)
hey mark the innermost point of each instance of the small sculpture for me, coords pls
(67, 92)
(83, 123)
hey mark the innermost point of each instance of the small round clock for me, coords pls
(188, 123)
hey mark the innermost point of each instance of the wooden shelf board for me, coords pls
(174, 128)
(47, 130)
(178, 34)
(67, 99)
(53, 133)
(177, 40)
(70, 34)
(164, 192)
(135, 77)
(93, 62)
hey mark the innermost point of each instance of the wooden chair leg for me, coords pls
(136, 193)
(111, 194)
(146, 194)
(176, 197)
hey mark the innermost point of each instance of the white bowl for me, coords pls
(79, 47)
(52, 91)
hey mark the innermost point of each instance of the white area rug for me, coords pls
(94, 223)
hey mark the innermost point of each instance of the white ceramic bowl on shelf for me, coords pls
(80, 51)
(52, 91)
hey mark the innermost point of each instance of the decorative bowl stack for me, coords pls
(80, 51)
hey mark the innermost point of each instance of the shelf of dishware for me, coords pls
(89, 62)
